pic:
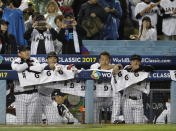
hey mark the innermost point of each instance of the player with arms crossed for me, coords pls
(26, 98)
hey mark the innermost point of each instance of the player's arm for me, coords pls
(72, 68)
(116, 68)
(19, 66)
(35, 66)
(144, 11)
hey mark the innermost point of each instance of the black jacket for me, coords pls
(9, 44)
(68, 45)
(87, 9)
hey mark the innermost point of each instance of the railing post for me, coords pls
(3, 101)
(173, 101)
(89, 102)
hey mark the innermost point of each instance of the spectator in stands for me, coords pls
(27, 12)
(30, 22)
(52, 11)
(110, 30)
(132, 4)
(147, 32)
(59, 21)
(169, 20)
(147, 8)
(77, 5)
(15, 18)
(69, 35)
(123, 20)
(23, 5)
(91, 17)
(1, 3)
(66, 6)
(8, 43)
(41, 36)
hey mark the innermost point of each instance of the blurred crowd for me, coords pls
(61, 25)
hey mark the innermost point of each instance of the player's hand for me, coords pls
(116, 69)
(58, 68)
(75, 70)
(29, 62)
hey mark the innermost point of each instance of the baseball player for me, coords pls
(133, 104)
(169, 18)
(45, 90)
(62, 110)
(99, 102)
(147, 8)
(165, 116)
(26, 98)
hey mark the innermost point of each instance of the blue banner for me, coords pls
(91, 75)
(90, 59)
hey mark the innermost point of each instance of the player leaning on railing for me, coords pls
(132, 98)
(99, 102)
(45, 90)
(29, 104)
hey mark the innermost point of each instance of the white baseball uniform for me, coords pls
(100, 102)
(45, 102)
(164, 117)
(133, 104)
(62, 111)
(169, 24)
(152, 13)
(26, 98)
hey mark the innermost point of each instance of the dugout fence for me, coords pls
(158, 75)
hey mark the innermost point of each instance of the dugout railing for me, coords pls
(157, 75)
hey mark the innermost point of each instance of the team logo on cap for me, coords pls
(1, 59)
(95, 75)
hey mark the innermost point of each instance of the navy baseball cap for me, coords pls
(57, 93)
(22, 48)
(52, 54)
(136, 57)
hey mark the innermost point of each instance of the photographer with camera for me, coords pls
(42, 36)
(69, 35)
